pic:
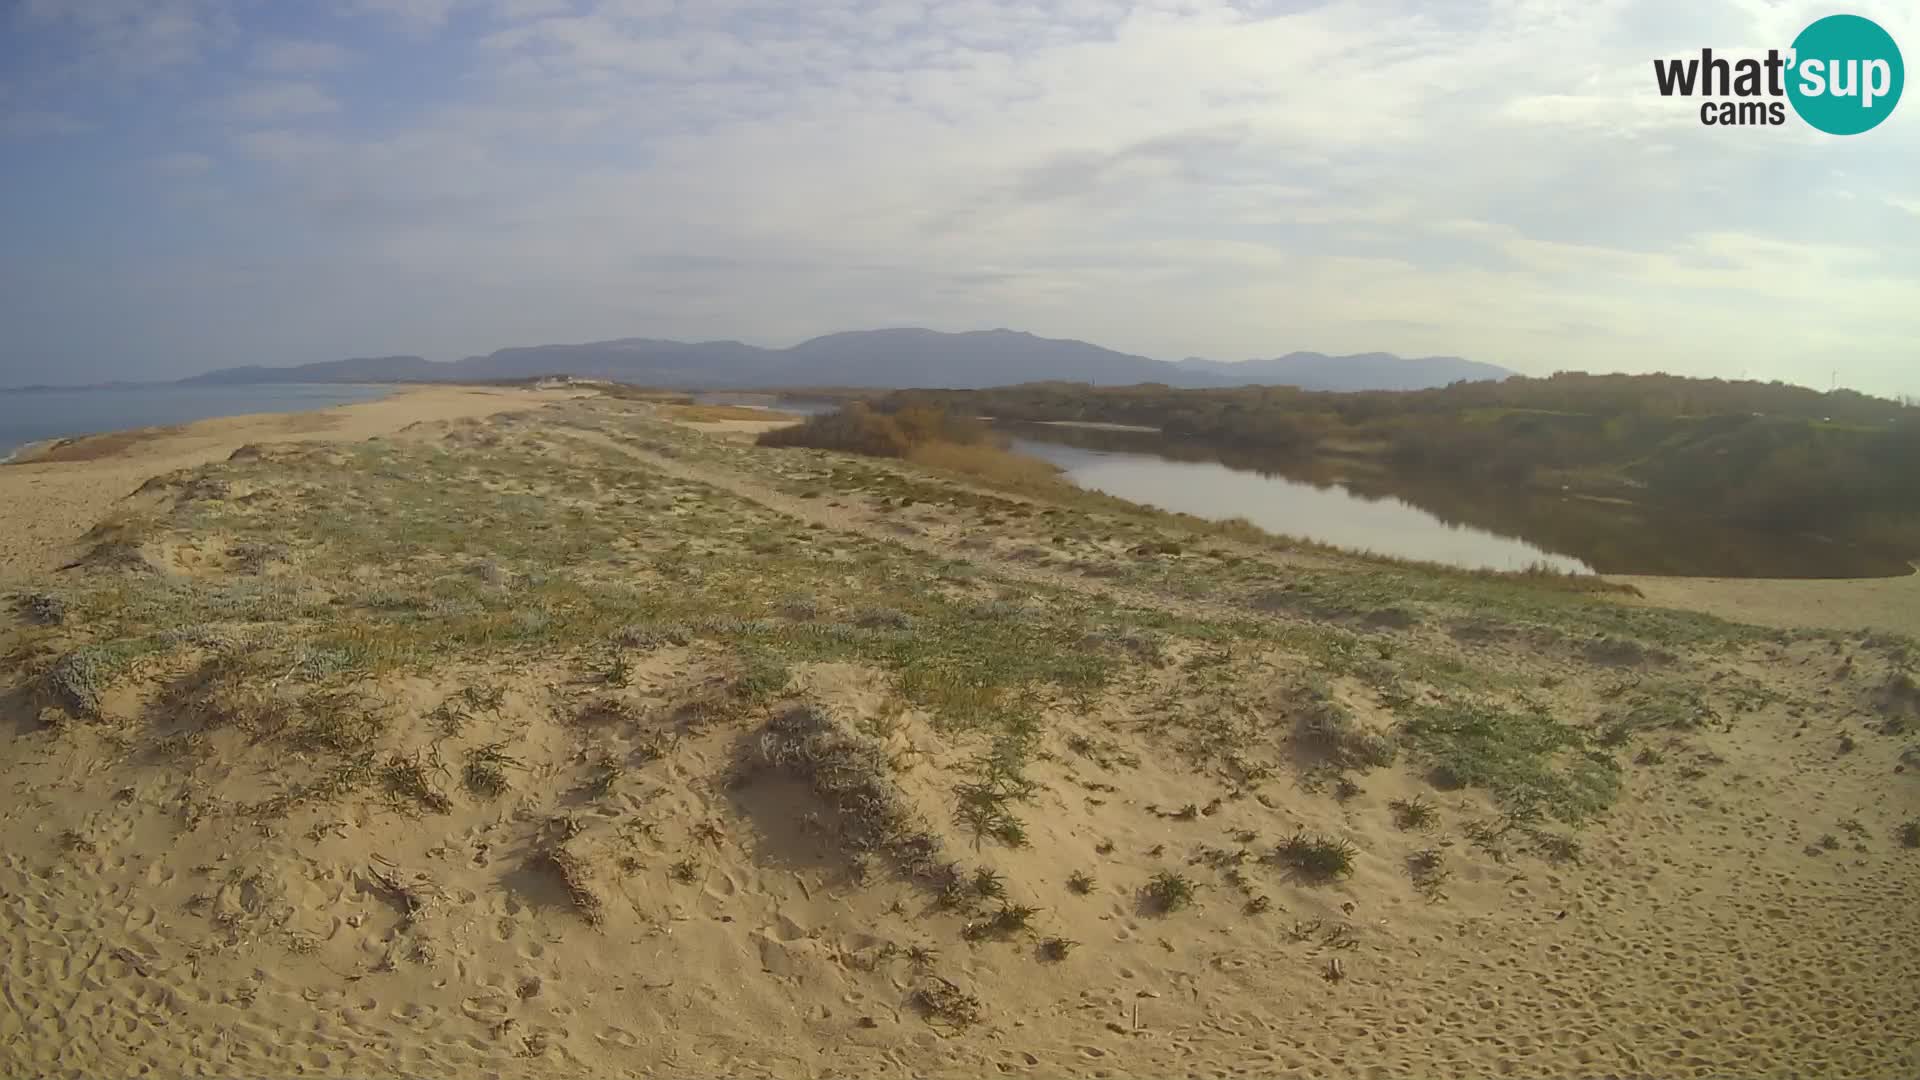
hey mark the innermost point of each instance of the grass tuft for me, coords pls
(1414, 813)
(1316, 858)
(1055, 949)
(1167, 892)
(485, 774)
(1528, 760)
(410, 780)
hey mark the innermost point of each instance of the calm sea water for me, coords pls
(28, 416)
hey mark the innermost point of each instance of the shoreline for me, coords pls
(25, 452)
(33, 449)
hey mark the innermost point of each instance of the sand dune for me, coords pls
(1864, 604)
(577, 743)
(51, 496)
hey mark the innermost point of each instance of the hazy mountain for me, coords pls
(926, 358)
(1359, 371)
(361, 369)
(642, 360)
(881, 358)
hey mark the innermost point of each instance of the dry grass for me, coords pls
(850, 773)
(575, 873)
(986, 462)
(713, 414)
(94, 447)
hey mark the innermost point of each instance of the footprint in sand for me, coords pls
(488, 1010)
(620, 1037)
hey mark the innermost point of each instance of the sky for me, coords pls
(191, 184)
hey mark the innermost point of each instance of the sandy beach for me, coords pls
(558, 739)
(1855, 604)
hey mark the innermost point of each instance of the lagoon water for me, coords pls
(30, 416)
(1330, 514)
(1433, 518)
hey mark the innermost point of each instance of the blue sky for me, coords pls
(199, 183)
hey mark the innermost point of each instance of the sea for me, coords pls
(32, 416)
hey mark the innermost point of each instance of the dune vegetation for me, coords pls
(579, 741)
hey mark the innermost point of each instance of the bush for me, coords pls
(858, 429)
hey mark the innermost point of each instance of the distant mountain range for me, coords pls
(1357, 371)
(881, 359)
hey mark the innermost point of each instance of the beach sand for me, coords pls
(658, 887)
(54, 492)
(1848, 604)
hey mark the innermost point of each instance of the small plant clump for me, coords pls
(1909, 834)
(1555, 847)
(619, 669)
(1013, 917)
(1080, 882)
(1009, 920)
(1414, 813)
(1429, 872)
(989, 885)
(1168, 891)
(851, 773)
(946, 1003)
(409, 779)
(1055, 949)
(485, 773)
(1329, 730)
(985, 804)
(44, 608)
(1316, 858)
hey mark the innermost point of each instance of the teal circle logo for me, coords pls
(1846, 75)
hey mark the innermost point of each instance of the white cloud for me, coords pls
(280, 99)
(300, 56)
(180, 164)
(418, 16)
(122, 38)
(29, 123)
(527, 9)
(1232, 177)
(280, 146)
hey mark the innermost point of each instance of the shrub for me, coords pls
(855, 428)
(858, 429)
